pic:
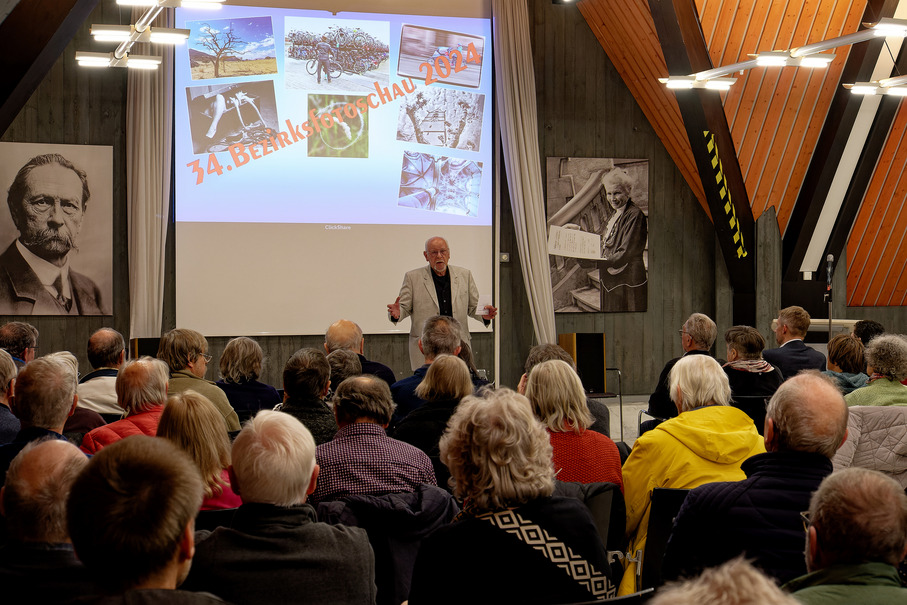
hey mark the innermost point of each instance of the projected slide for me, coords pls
(332, 107)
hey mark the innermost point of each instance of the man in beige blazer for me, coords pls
(438, 289)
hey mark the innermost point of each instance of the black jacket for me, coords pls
(759, 516)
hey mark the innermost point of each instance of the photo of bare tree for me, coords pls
(442, 117)
(227, 48)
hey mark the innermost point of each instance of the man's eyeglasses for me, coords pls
(805, 517)
(208, 358)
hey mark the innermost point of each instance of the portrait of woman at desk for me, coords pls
(622, 270)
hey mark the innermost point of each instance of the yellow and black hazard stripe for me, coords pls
(725, 193)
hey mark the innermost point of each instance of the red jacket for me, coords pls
(143, 423)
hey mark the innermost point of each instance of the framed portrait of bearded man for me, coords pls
(56, 232)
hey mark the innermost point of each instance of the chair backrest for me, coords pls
(753, 406)
(666, 503)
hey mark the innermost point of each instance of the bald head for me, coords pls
(106, 349)
(806, 414)
(343, 334)
(142, 384)
(37, 485)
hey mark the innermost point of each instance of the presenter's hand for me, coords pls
(490, 312)
(394, 309)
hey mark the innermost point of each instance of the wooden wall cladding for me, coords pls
(586, 110)
(79, 106)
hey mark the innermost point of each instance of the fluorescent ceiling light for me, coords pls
(167, 35)
(203, 4)
(772, 58)
(111, 33)
(88, 59)
(719, 83)
(142, 61)
(822, 60)
(678, 82)
(862, 88)
(897, 91)
(890, 27)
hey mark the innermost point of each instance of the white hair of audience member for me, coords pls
(803, 413)
(702, 330)
(45, 392)
(736, 582)
(141, 384)
(274, 459)
(558, 398)
(72, 364)
(37, 486)
(887, 355)
(498, 452)
(698, 380)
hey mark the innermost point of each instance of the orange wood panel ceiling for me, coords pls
(775, 115)
(876, 250)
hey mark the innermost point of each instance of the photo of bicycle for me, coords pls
(320, 51)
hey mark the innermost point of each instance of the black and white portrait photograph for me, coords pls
(440, 184)
(597, 213)
(442, 117)
(57, 235)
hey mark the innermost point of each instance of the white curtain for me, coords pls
(515, 87)
(149, 111)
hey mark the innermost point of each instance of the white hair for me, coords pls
(701, 381)
(273, 459)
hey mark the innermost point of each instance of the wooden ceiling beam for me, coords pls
(32, 37)
(685, 52)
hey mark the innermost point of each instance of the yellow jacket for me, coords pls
(699, 446)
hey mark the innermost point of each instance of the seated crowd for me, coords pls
(144, 482)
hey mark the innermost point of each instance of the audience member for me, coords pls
(793, 355)
(466, 355)
(45, 396)
(513, 541)
(130, 515)
(361, 458)
(867, 329)
(186, 353)
(440, 336)
(600, 415)
(141, 392)
(759, 517)
(697, 336)
(344, 364)
(558, 400)
(193, 423)
(306, 381)
(748, 374)
(81, 420)
(97, 389)
(20, 340)
(39, 559)
(240, 367)
(9, 424)
(857, 534)
(276, 551)
(733, 583)
(346, 335)
(847, 362)
(706, 442)
(886, 359)
(446, 383)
